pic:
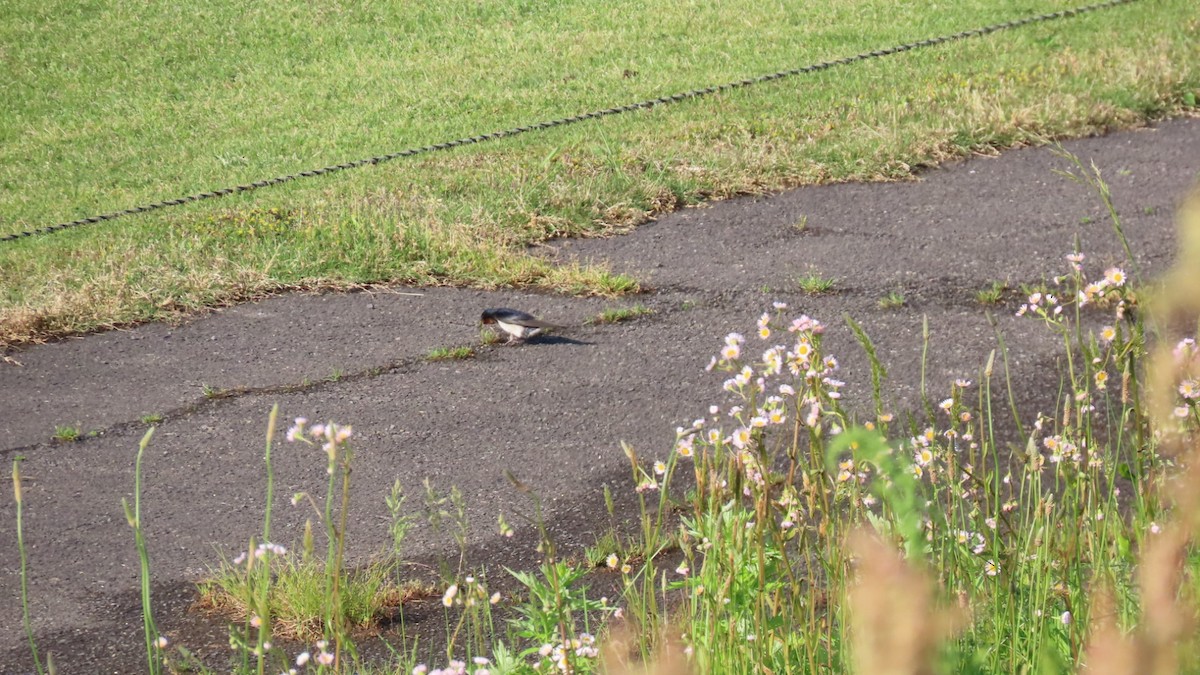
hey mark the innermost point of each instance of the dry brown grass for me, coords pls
(896, 624)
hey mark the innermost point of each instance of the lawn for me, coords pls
(109, 104)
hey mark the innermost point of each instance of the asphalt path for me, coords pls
(552, 411)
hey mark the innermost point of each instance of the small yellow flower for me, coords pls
(803, 350)
(448, 597)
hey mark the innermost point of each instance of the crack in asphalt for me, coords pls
(221, 396)
(667, 302)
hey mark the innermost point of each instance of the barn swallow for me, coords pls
(519, 325)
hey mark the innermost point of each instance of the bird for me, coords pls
(519, 325)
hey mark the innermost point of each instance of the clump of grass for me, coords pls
(298, 599)
(814, 283)
(620, 314)
(608, 544)
(893, 300)
(992, 294)
(306, 596)
(253, 225)
(151, 419)
(487, 336)
(450, 353)
(66, 433)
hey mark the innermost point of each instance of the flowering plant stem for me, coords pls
(16, 477)
(134, 517)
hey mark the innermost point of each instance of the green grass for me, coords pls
(813, 283)
(450, 353)
(66, 433)
(620, 314)
(299, 86)
(152, 419)
(298, 596)
(992, 294)
(893, 300)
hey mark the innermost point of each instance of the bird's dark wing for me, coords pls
(538, 323)
(519, 318)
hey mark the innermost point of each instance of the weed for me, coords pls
(604, 548)
(66, 433)
(211, 392)
(152, 419)
(813, 283)
(487, 336)
(155, 642)
(893, 300)
(298, 598)
(801, 224)
(18, 498)
(992, 294)
(620, 314)
(450, 353)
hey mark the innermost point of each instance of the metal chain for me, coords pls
(641, 105)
